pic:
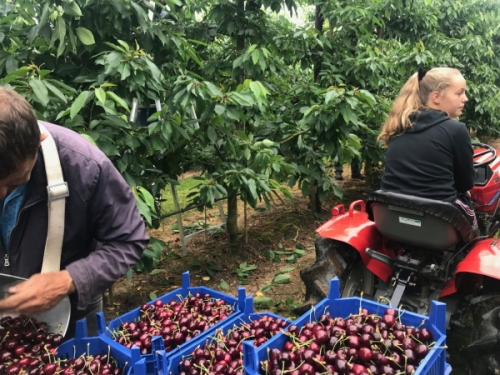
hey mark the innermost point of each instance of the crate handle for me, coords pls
(242, 294)
(157, 344)
(334, 292)
(249, 305)
(161, 362)
(249, 357)
(101, 323)
(81, 328)
(186, 282)
(438, 315)
(140, 367)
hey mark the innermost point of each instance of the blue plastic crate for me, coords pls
(105, 332)
(433, 364)
(129, 360)
(169, 364)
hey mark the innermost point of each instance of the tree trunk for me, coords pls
(314, 202)
(318, 24)
(372, 178)
(232, 218)
(232, 200)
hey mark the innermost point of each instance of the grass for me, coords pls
(186, 186)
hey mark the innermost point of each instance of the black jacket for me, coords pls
(432, 160)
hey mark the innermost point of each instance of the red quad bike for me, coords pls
(410, 251)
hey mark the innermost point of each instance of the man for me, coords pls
(355, 170)
(104, 234)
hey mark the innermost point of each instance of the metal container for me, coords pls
(57, 317)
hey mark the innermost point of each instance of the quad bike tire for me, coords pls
(334, 259)
(483, 353)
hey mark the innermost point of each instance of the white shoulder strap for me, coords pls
(57, 191)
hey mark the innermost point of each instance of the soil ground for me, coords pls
(288, 226)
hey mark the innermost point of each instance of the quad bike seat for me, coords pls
(418, 221)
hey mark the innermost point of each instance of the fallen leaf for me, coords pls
(206, 278)
(259, 294)
(139, 288)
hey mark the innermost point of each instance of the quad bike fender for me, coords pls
(354, 228)
(483, 259)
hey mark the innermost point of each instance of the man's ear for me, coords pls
(43, 136)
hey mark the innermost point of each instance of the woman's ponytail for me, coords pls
(407, 102)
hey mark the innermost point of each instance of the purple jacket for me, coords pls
(104, 233)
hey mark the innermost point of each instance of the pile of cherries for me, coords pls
(28, 348)
(223, 353)
(362, 344)
(175, 321)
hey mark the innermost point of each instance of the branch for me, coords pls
(296, 135)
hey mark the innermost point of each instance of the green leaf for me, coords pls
(101, 95)
(142, 16)
(89, 138)
(212, 135)
(128, 275)
(286, 270)
(124, 70)
(262, 301)
(330, 95)
(252, 187)
(152, 296)
(147, 197)
(11, 64)
(56, 91)
(245, 267)
(155, 72)
(255, 56)
(45, 16)
(300, 252)
(85, 36)
(367, 97)
(281, 279)
(78, 104)
(72, 9)
(270, 254)
(156, 271)
(61, 28)
(143, 208)
(40, 90)
(224, 285)
(118, 100)
(252, 48)
(266, 289)
(254, 86)
(214, 90)
(219, 109)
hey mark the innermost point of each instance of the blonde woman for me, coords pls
(429, 153)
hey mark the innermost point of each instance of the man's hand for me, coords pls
(39, 293)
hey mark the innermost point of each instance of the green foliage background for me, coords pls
(248, 97)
